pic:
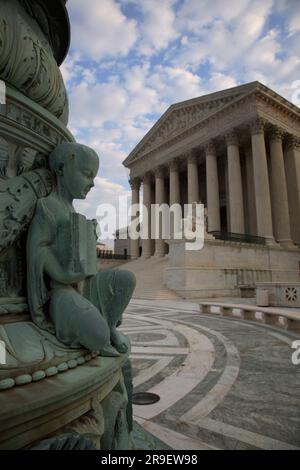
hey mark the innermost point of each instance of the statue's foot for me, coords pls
(119, 341)
(109, 351)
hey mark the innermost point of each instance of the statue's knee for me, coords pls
(127, 277)
(94, 333)
(98, 339)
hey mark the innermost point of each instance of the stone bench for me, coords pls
(290, 320)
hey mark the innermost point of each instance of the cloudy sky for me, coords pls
(131, 59)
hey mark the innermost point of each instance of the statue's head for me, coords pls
(75, 166)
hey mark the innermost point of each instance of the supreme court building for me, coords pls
(238, 152)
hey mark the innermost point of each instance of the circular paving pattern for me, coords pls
(223, 382)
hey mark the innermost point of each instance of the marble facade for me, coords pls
(238, 152)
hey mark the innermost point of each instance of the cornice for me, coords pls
(261, 93)
(271, 97)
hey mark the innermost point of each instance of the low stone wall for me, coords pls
(221, 267)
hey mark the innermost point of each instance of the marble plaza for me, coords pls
(224, 383)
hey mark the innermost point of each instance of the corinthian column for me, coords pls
(135, 218)
(236, 203)
(212, 188)
(279, 195)
(292, 168)
(160, 246)
(175, 216)
(192, 176)
(146, 234)
(174, 183)
(261, 181)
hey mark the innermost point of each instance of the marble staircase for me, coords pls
(149, 276)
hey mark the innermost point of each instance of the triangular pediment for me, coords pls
(183, 116)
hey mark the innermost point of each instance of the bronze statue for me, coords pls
(66, 294)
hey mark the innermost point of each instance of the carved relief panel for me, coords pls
(27, 61)
(25, 138)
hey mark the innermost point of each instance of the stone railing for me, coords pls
(269, 316)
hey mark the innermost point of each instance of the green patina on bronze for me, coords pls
(52, 18)
(66, 295)
(32, 67)
(57, 313)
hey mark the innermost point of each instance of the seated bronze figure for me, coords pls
(66, 294)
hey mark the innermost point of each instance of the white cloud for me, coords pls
(107, 144)
(157, 28)
(100, 29)
(175, 84)
(93, 105)
(194, 14)
(295, 98)
(120, 100)
(220, 32)
(143, 98)
(129, 103)
(294, 24)
(176, 50)
(220, 81)
(134, 131)
(263, 53)
(290, 10)
(250, 24)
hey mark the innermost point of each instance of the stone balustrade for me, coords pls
(268, 316)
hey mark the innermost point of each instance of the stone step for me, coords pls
(149, 275)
